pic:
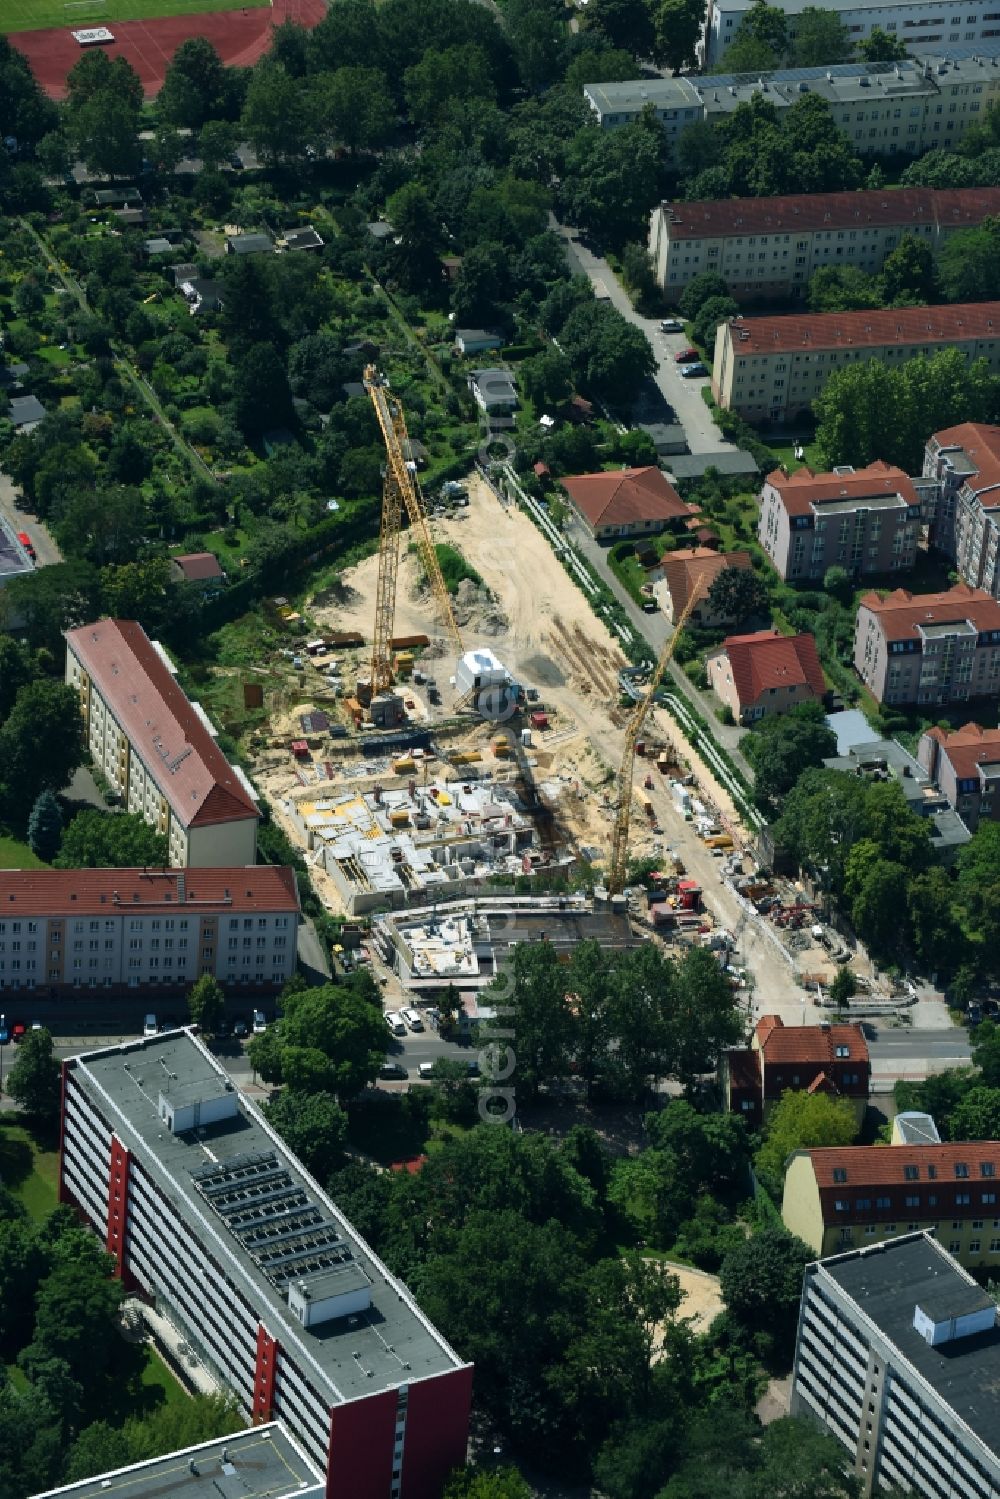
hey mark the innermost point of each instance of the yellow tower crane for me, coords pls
(401, 489)
(626, 771)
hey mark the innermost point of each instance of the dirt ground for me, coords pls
(702, 1298)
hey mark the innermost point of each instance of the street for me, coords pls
(46, 550)
(683, 396)
(912, 1053)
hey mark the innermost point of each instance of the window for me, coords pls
(842, 1051)
(911, 1173)
(974, 1246)
(841, 1205)
(954, 1245)
(839, 1173)
(913, 1202)
(863, 1204)
(977, 1223)
(961, 1170)
(986, 1168)
(962, 1199)
(883, 1202)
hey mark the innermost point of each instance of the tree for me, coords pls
(33, 1081)
(194, 86)
(530, 991)
(705, 287)
(802, 1121)
(207, 1004)
(261, 392)
(780, 749)
(547, 379)
(104, 103)
(704, 1018)
(737, 593)
(598, 65)
(676, 32)
(711, 313)
(879, 46)
(441, 79)
(610, 356)
(45, 827)
(977, 1116)
(842, 288)
(332, 1039)
(968, 264)
(121, 840)
(358, 108)
(275, 119)
(41, 744)
(986, 1051)
(416, 261)
(908, 272)
(481, 286)
(505, 1483)
(842, 987)
(314, 1127)
(613, 178)
(627, 24)
(937, 938)
(820, 38)
(761, 41)
(761, 1283)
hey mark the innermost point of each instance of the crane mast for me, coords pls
(400, 491)
(626, 771)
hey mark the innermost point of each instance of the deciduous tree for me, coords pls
(33, 1081)
(801, 1121)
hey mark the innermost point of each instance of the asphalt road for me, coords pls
(46, 550)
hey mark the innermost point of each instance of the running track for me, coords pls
(239, 36)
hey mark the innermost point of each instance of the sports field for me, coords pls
(39, 15)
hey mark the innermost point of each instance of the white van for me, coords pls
(395, 1023)
(414, 1019)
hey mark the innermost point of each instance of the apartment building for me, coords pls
(825, 1058)
(965, 462)
(207, 1213)
(760, 675)
(884, 109)
(769, 247)
(898, 1356)
(836, 1197)
(965, 767)
(157, 749)
(919, 24)
(864, 520)
(771, 369)
(929, 647)
(122, 931)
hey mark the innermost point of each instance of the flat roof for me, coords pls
(261, 1463)
(205, 1172)
(888, 1281)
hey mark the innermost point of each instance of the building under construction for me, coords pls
(390, 848)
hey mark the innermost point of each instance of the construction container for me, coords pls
(663, 764)
(640, 746)
(404, 664)
(526, 736)
(344, 638)
(501, 749)
(647, 807)
(354, 709)
(466, 757)
(399, 817)
(539, 720)
(407, 642)
(404, 765)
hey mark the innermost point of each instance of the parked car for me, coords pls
(240, 1030)
(413, 1019)
(394, 1021)
(693, 371)
(149, 1026)
(259, 1022)
(686, 356)
(671, 325)
(426, 1069)
(393, 1072)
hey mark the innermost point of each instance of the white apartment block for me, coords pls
(898, 1357)
(66, 932)
(770, 247)
(884, 109)
(918, 24)
(157, 749)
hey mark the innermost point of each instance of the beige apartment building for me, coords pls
(769, 247)
(864, 520)
(929, 647)
(771, 369)
(157, 749)
(965, 766)
(146, 930)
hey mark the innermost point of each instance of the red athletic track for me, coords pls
(240, 37)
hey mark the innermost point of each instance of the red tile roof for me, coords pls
(78, 892)
(744, 1071)
(158, 719)
(875, 1165)
(968, 748)
(902, 613)
(624, 496)
(197, 566)
(693, 573)
(900, 327)
(783, 1044)
(981, 445)
(718, 218)
(800, 491)
(766, 659)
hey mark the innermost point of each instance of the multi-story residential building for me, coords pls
(836, 1197)
(965, 767)
(886, 759)
(863, 520)
(929, 647)
(157, 749)
(206, 1212)
(146, 930)
(898, 1356)
(823, 1058)
(771, 369)
(885, 108)
(965, 462)
(759, 675)
(769, 247)
(919, 24)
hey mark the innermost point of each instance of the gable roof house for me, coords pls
(766, 673)
(822, 1058)
(626, 502)
(691, 574)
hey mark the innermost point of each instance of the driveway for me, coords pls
(46, 550)
(683, 396)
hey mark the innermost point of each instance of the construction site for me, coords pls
(436, 746)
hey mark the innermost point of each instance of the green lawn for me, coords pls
(35, 15)
(27, 1168)
(17, 855)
